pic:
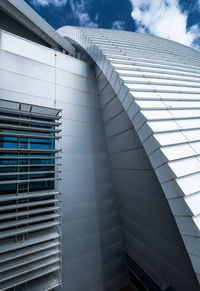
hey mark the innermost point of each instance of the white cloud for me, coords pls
(165, 19)
(79, 11)
(118, 24)
(48, 2)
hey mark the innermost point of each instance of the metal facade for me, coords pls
(30, 203)
(151, 238)
(130, 152)
(92, 255)
(157, 82)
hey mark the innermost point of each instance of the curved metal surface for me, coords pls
(157, 82)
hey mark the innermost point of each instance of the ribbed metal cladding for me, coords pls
(30, 197)
(157, 82)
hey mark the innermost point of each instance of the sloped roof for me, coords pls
(157, 82)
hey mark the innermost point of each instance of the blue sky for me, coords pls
(172, 19)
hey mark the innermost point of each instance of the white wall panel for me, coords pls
(81, 129)
(91, 237)
(22, 47)
(70, 80)
(76, 97)
(27, 67)
(33, 87)
(21, 97)
(79, 68)
(80, 113)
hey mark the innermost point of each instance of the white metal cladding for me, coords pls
(157, 82)
(30, 215)
(38, 75)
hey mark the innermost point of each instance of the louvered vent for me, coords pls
(30, 210)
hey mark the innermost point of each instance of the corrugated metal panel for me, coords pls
(157, 82)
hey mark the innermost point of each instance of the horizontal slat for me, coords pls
(158, 90)
(159, 66)
(29, 239)
(138, 50)
(169, 138)
(167, 83)
(29, 165)
(156, 77)
(169, 114)
(129, 77)
(29, 158)
(45, 283)
(146, 50)
(30, 114)
(168, 105)
(152, 61)
(29, 204)
(26, 269)
(164, 126)
(28, 173)
(25, 135)
(27, 250)
(35, 238)
(44, 193)
(16, 263)
(33, 275)
(151, 58)
(169, 96)
(24, 120)
(39, 151)
(28, 128)
(175, 73)
(27, 229)
(27, 221)
(28, 181)
(29, 212)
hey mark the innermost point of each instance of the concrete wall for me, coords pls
(151, 237)
(92, 252)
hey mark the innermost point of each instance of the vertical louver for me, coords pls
(30, 215)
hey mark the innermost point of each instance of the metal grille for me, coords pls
(30, 197)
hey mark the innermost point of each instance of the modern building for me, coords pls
(99, 158)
